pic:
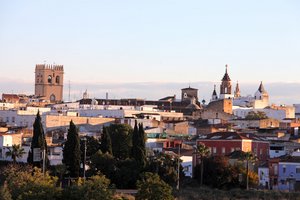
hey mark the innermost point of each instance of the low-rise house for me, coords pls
(289, 172)
(224, 143)
(263, 176)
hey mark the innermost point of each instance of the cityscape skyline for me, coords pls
(158, 43)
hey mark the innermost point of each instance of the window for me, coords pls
(260, 151)
(223, 150)
(214, 150)
(284, 169)
(232, 149)
(52, 98)
(49, 79)
(7, 119)
(57, 80)
(13, 119)
(298, 169)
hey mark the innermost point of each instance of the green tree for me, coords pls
(256, 115)
(202, 152)
(15, 152)
(138, 145)
(71, 151)
(92, 146)
(27, 183)
(5, 193)
(121, 139)
(60, 171)
(151, 187)
(166, 167)
(217, 172)
(38, 141)
(126, 174)
(135, 139)
(97, 187)
(103, 163)
(106, 146)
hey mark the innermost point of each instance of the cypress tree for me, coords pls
(135, 140)
(38, 141)
(105, 142)
(71, 151)
(142, 138)
(142, 145)
(138, 145)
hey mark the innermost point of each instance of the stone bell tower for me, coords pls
(49, 81)
(225, 87)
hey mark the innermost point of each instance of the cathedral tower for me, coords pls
(225, 88)
(237, 92)
(49, 81)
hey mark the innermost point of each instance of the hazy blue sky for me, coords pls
(151, 41)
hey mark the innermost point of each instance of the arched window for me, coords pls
(57, 80)
(49, 79)
(52, 98)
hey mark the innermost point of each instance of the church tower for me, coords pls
(214, 96)
(261, 97)
(49, 82)
(237, 92)
(225, 88)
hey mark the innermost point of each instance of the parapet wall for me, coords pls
(50, 67)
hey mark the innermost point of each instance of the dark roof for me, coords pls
(214, 92)
(261, 88)
(226, 76)
(230, 136)
(168, 98)
(290, 159)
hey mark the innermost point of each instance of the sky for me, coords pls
(161, 43)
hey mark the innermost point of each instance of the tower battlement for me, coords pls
(50, 67)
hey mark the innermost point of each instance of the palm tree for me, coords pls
(249, 158)
(15, 152)
(203, 151)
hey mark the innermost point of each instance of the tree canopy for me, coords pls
(151, 187)
(38, 141)
(252, 115)
(71, 151)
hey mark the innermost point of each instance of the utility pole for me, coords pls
(178, 167)
(44, 160)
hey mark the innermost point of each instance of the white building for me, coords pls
(187, 165)
(263, 177)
